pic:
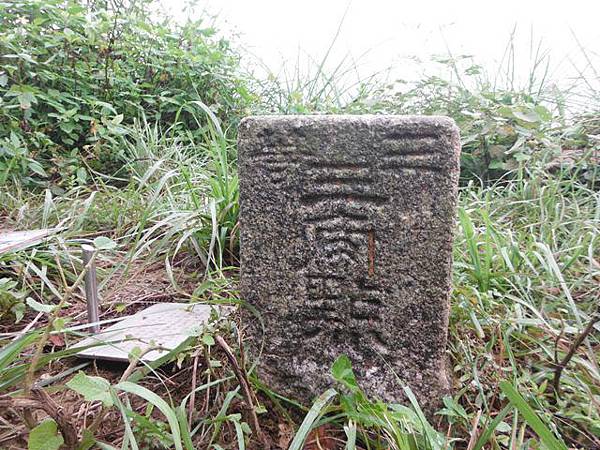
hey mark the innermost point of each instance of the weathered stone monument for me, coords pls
(346, 240)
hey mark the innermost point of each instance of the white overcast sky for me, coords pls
(383, 33)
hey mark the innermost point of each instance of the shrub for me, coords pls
(73, 77)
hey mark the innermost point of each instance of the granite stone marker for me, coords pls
(346, 241)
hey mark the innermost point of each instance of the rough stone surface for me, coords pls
(346, 241)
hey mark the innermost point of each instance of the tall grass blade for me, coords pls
(185, 430)
(313, 414)
(239, 433)
(350, 430)
(11, 352)
(434, 439)
(532, 419)
(487, 434)
(154, 399)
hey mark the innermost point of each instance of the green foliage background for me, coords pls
(74, 77)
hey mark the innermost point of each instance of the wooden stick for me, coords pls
(193, 394)
(561, 366)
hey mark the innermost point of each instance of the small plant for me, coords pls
(372, 423)
(11, 299)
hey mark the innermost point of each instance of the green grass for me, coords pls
(526, 276)
(526, 281)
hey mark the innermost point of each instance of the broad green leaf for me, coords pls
(134, 354)
(106, 106)
(45, 436)
(543, 113)
(104, 243)
(92, 388)
(18, 310)
(505, 111)
(341, 370)
(520, 157)
(26, 99)
(496, 164)
(14, 139)
(528, 116)
(87, 441)
(207, 339)
(37, 168)
(67, 127)
(81, 175)
(60, 323)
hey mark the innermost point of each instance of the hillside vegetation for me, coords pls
(119, 126)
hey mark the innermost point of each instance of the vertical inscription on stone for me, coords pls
(346, 234)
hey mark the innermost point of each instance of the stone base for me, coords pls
(346, 246)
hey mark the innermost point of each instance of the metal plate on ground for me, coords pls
(164, 324)
(18, 240)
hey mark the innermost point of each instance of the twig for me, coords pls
(69, 432)
(59, 376)
(28, 327)
(557, 341)
(474, 430)
(193, 393)
(232, 239)
(206, 351)
(245, 385)
(12, 434)
(132, 365)
(39, 399)
(558, 370)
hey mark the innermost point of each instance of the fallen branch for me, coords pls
(560, 366)
(39, 399)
